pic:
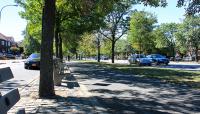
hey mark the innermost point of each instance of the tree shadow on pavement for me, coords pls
(113, 105)
(9, 85)
(120, 92)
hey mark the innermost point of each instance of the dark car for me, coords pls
(33, 61)
(10, 56)
(158, 59)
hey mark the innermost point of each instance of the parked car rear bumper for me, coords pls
(32, 64)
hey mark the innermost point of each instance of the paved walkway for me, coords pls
(118, 92)
(94, 89)
(71, 98)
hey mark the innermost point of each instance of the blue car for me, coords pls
(139, 59)
(158, 59)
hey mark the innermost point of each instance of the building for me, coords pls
(5, 43)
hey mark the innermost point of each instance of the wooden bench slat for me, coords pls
(5, 74)
(9, 100)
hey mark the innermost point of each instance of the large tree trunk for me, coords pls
(173, 52)
(68, 57)
(57, 31)
(98, 50)
(60, 48)
(56, 41)
(76, 56)
(113, 51)
(196, 54)
(46, 85)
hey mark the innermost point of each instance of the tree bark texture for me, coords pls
(113, 51)
(57, 31)
(98, 53)
(60, 47)
(196, 54)
(76, 56)
(46, 85)
(56, 41)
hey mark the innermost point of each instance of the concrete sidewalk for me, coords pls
(118, 92)
(70, 98)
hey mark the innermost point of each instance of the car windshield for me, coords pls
(35, 55)
(159, 56)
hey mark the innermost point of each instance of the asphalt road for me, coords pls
(22, 76)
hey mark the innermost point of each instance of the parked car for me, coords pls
(188, 58)
(139, 59)
(178, 58)
(104, 57)
(18, 57)
(158, 59)
(10, 56)
(33, 61)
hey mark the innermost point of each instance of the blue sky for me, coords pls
(170, 13)
(11, 24)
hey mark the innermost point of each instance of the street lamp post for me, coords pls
(5, 7)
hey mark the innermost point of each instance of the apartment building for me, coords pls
(5, 43)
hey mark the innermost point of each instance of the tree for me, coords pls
(188, 35)
(33, 13)
(165, 37)
(32, 34)
(46, 85)
(140, 35)
(30, 44)
(192, 24)
(14, 50)
(70, 43)
(181, 44)
(72, 16)
(192, 6)
(78, 17)
(98, 43)
(116, 24)
(123, 49)
(87, 44)
(106, 47)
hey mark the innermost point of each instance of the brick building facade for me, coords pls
(5, 43)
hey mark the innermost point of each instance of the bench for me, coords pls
(63, 69)
(8, 100)
(60, 71)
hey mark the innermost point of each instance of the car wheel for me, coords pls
(157, 63)
(149, 64)
(166, 63)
